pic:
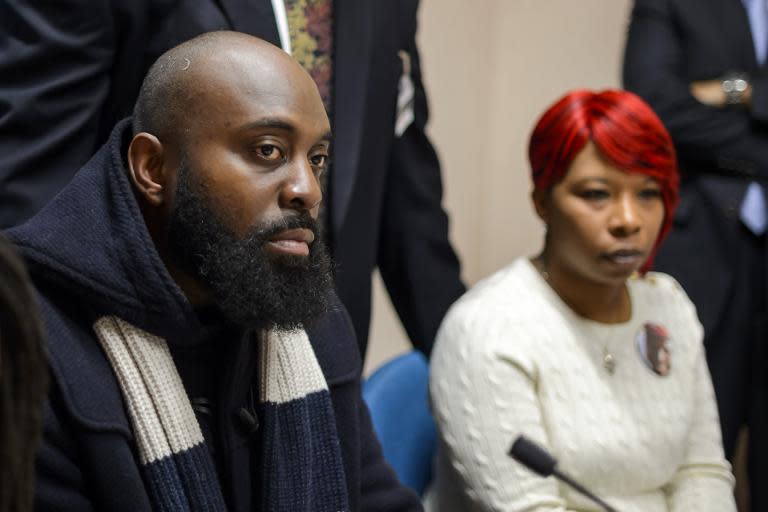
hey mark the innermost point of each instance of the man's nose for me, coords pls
(625, 216)
(301, 190)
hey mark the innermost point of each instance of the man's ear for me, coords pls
(146, 164)
(540, 198)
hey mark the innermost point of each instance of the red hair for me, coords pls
(623, 128)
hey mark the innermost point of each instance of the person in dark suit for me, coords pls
(701, 66)
(69, 70)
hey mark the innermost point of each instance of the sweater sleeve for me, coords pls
(704, 481)
(482, 402)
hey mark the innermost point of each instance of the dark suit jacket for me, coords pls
(672, 43)
(70, 69)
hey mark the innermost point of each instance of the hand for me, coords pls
(710, 92)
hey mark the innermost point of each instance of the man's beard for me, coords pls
(251, 287)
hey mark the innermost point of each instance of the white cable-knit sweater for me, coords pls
(512, 358)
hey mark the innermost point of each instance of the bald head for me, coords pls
(189, 80)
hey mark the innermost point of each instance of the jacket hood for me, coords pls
(91, 242)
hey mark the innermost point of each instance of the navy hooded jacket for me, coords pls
(90, 254)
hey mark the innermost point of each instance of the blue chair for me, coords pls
(397, 396)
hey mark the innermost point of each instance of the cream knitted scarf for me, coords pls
(301, 459)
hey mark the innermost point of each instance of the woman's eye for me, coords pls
(269, 152)
(650, 193)
(595, 194)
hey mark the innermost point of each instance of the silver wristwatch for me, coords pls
(733, 85)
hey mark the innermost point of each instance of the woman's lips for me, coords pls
(292, 241)
(626, 258)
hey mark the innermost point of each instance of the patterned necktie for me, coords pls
(310, 24)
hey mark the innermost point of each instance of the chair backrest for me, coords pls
(397, 396)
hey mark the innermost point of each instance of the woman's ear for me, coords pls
(146, 159)
(540, 198)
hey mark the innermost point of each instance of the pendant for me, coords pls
(609, 362)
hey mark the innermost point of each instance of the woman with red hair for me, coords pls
(556, 347)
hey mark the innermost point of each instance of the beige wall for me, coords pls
(490, 68)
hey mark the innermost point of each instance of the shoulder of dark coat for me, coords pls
(79, 367)
(333, 340)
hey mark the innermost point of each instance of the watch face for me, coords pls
(737, 85)
(734, 85)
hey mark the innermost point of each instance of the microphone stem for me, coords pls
(565, 478)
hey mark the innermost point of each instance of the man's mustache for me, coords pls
(264, 233)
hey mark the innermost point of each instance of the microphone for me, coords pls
(538, 460)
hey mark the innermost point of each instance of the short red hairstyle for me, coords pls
(622, 127)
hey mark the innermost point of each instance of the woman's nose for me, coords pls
(625, 218)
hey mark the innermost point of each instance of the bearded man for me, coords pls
(200, 359)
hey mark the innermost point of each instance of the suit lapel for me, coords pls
(352, 51)
(252, 17)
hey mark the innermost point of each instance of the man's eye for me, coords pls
(319, 160)
(269, 152)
